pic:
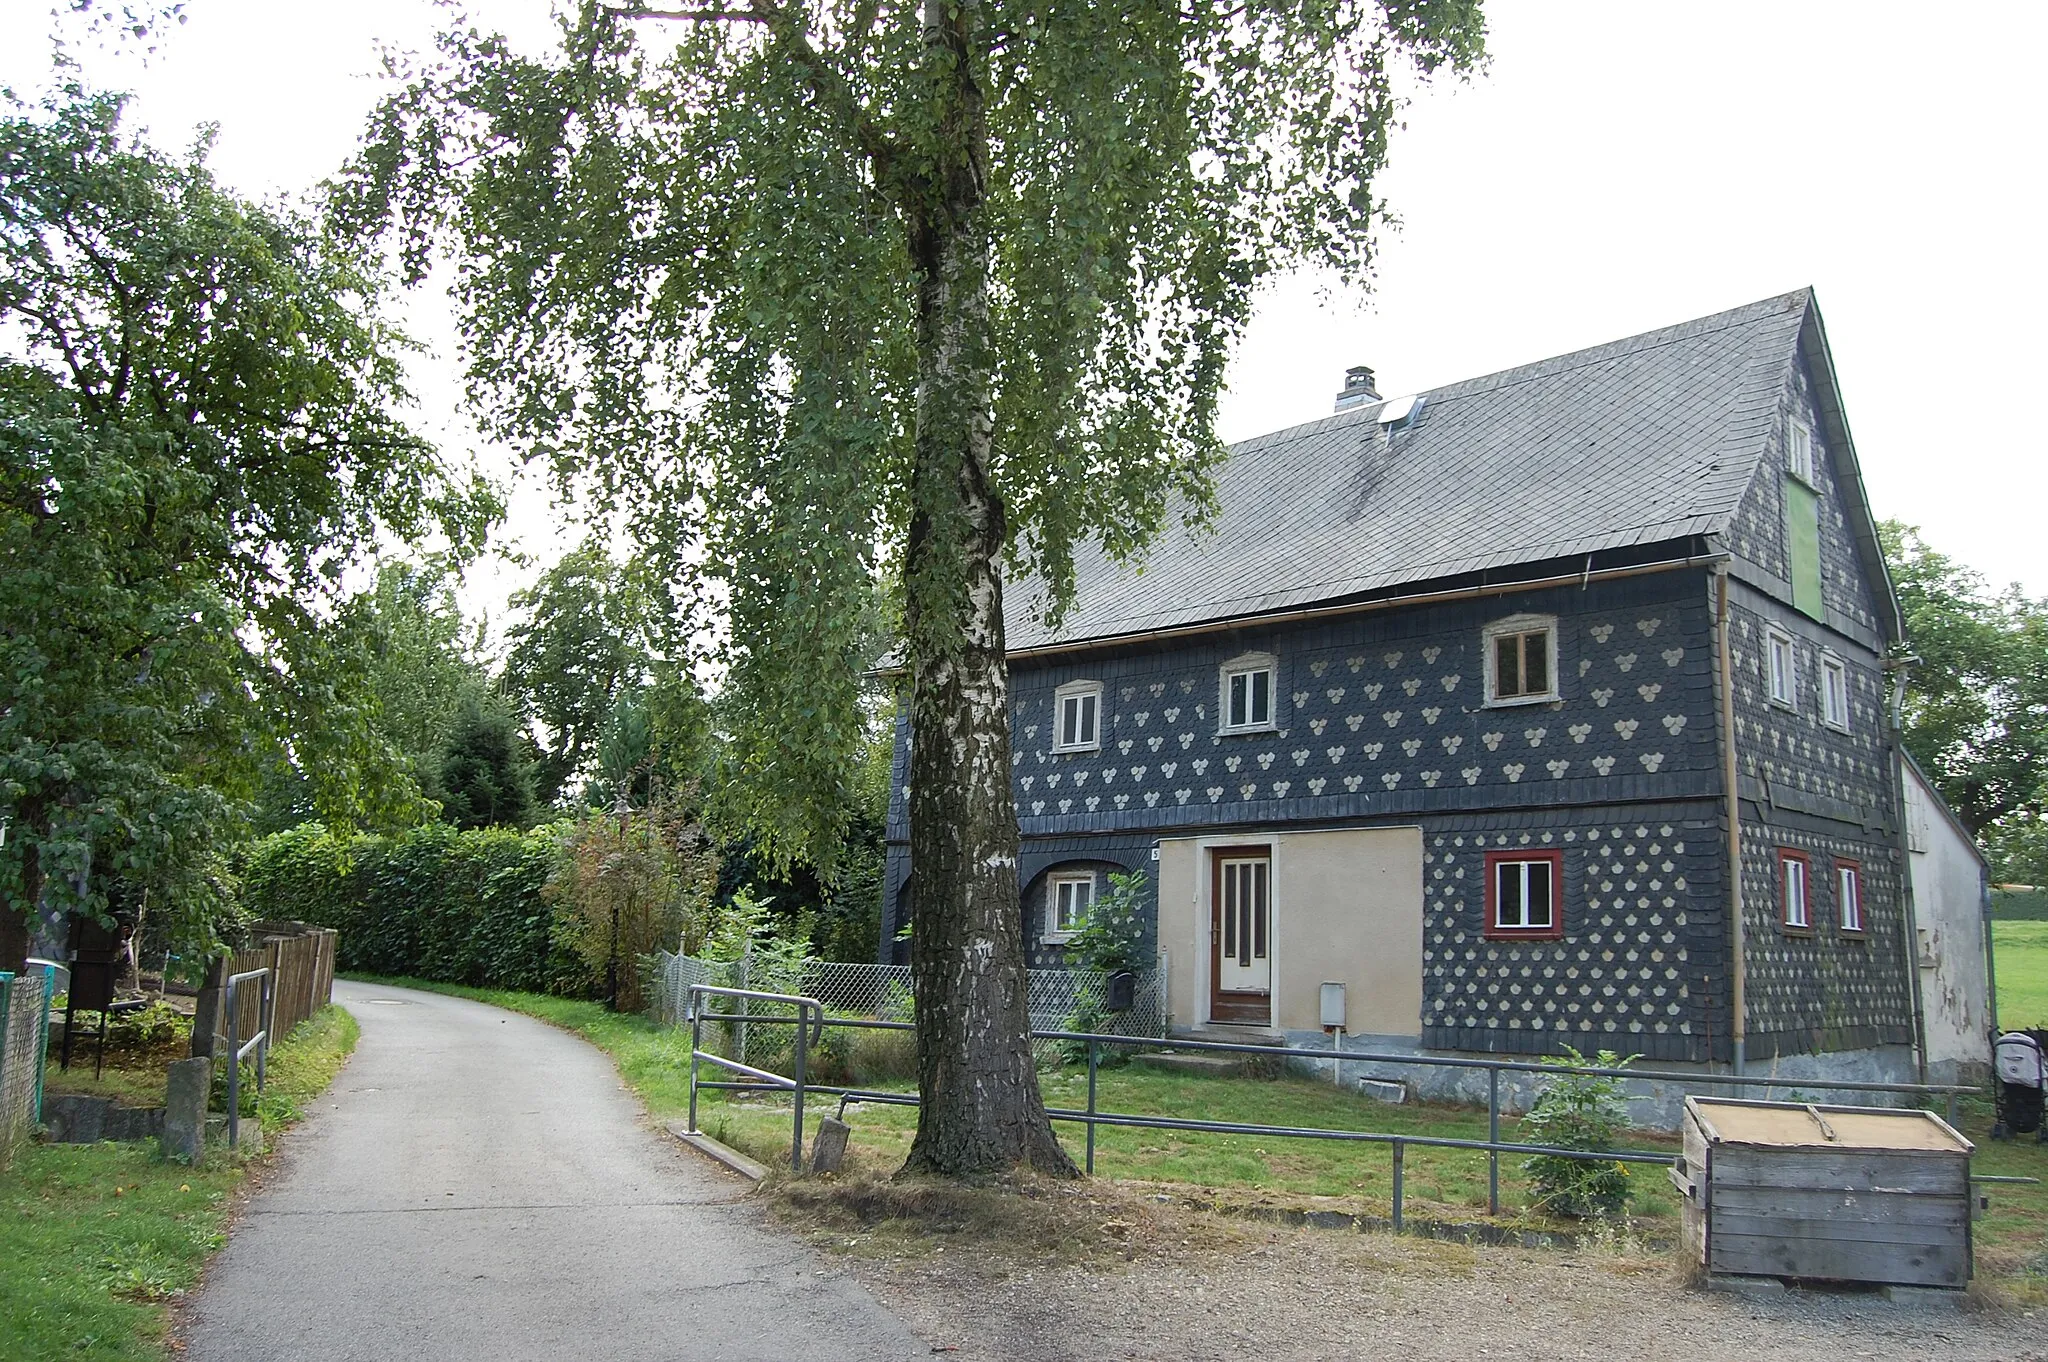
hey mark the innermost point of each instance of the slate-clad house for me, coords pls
(1446, 704)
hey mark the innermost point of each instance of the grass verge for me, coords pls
(97, 1240)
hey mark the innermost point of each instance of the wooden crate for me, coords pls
(1785, 1189)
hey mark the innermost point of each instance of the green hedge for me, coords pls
(434, 903)
(2027, 905)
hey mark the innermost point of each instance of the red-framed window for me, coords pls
(1849, 897)
(1524, 894)
(1795, 891)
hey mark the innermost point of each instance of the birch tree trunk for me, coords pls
(980, 1110)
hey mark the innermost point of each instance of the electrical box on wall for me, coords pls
(1333, 1007)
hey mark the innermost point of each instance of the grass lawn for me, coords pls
(2020, 952)
(96, 1239)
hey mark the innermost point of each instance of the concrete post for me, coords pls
(191, 1081)
(828, 1149)
(206, 1017)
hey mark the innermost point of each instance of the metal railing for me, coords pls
(1092, 1117)
(238, 1049)
(812, 1013)
(806, 1010)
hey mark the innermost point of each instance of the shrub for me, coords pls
(1578, 1111)
(1110, 938)
(627, 886)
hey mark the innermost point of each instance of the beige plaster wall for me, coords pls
(1347, 908)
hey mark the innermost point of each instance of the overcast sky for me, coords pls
(1620, 166)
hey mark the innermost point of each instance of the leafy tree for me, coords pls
(1976, 712)
(197, 436)
(631, 883)
(822, 290)
(486, 777)
(418, 660)
(583, 644)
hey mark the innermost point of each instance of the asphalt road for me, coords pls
(478, 1185)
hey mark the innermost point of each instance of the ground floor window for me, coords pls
(1524, 893)
(1068, 899)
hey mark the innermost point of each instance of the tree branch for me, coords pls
(825, 80)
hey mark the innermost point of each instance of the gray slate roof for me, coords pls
(1651, 438)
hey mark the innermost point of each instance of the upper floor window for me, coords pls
(1077, 717)
(1246, 701)
(1068, 898)
(1523, 893)
(1793, 910)
(1521, 659)
(1799, 450)
(1781, 668)
(1834, 693)
(1849, 894)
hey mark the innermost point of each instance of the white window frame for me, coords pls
(1078, 692)
(1834, 692)
(1248, 665)
(1849, 896)
(1799, 451)
(1777, 641)
(1795, 911)
(1517, 625)
(1053, 885)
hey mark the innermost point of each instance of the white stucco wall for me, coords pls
(1948, 903)
(1347, 908)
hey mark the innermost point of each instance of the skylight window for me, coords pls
(1398, 413)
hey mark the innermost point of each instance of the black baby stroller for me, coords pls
(2019, 1073)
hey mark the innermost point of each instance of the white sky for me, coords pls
(1621, 166)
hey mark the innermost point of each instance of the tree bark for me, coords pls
(980, 1112)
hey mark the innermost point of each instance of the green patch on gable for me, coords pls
(1802, 540)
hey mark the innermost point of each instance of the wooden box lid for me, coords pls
(1807, 1125)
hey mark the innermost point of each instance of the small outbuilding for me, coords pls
(1857, 1194)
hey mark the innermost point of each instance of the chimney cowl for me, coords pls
(1358, 388)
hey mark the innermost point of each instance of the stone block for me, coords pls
(184, 1137)
(1757, 1288)
(72, 1118)
(828, 1149)
(250, 1133)
(1925, 1297)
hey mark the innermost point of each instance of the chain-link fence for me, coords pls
(24, 1040)
(1057, 998)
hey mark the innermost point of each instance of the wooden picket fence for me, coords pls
(302, 958)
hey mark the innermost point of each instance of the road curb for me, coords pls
(719, 1153)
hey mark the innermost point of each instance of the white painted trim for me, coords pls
(1243, 664)
(1831, 661)
(1205, 914)
(1053, 936)
(1518, 624)
(1060, 696)
(1774, 634)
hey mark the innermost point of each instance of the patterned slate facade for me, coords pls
(1381, 716)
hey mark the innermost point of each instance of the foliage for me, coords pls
(197, 437)
(630, 884)
(1976, 713)
(433, 902)
(1578, 1111)
(485, 780)
(695, 253)
(419, 662)
(1112, 935)
(586, 639)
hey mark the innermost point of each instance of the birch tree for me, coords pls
(824, 292)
